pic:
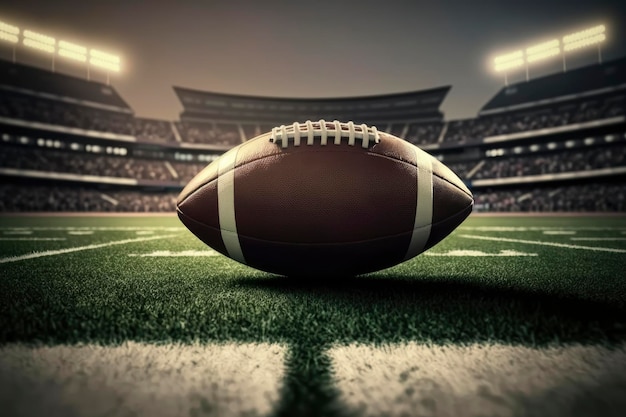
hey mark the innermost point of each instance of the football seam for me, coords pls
(325, 150)
(216, 229)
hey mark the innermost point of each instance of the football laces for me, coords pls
(336, 131)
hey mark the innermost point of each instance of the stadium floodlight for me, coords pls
(8, 37)
(6, 28)
(39, 41)
(38, 45)
(9, 33)
(584, 34)
(543, 50)
(47, 40)
(72, 51)
(592, 36)
(105, 61)
(581, 43)
(509, 61)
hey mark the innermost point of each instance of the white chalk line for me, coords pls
(478, 253)
(538, 228)
(559, 232)
(32, 239)
(600, 239)
(18, 232)
(103, 228)
(169, 253)
(80, 248)
(536, 242)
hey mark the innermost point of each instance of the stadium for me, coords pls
(108, 305)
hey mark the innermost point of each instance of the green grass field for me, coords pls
(557, 281)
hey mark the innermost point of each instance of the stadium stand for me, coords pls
(556, 143)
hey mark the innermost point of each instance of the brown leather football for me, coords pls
(320, 198)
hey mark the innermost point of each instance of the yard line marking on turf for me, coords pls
(534, 228)
(80, 232)
(140, 379)
(18, 232)
(169, 253)
(32, 239)
(102, 228)
(478, 379)
(559, 232)
(79, 248)
(536, 242)
(479, 253)
(599, 239)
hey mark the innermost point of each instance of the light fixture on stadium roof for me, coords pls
(8, 37)
(72, 51)
(104, 64)
(596, 39)
(592, 36)
(584, 34)
(38, 45)
(543, 50)
(104, 56)
(41, 38)
(39, 41)
(6, 28)
(509, 61)
(9, 33)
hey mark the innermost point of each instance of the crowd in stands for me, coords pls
(551, 163)
(599, 197)
(538, 118)
(423, 133)
(210, 133)
(594, 197)
(100, 165)
(54, 112)
(27, 198)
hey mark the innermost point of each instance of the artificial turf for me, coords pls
(561, 295)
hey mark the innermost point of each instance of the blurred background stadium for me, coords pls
(548, 143)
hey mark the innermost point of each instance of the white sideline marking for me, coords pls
(559, 232)
(599, 239)
(138, 379)
(79, 248)
(80, 232)
(534, 228)
(461, 252)
(32, 239)
(103, 228)
(536, 242)
(169, 253)
(480, 380)
(18, 232)
(144, 232)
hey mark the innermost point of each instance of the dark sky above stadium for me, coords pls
(312, 48)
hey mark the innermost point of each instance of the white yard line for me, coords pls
(79, 248)
(537, 242)
(478, 253)
(480, 379)
(103, 228)
(33, 239)
(169, 253)
(140, 379)
(599, 239)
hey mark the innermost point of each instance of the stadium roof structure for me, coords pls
(582, 82)
(420, 105)
(24, 79)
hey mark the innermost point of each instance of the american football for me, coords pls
(324, 198)
(333, 208)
